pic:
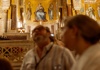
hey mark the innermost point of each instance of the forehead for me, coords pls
(38, 28)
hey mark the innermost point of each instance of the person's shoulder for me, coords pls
(59, 46)
(62, 48)
(29, 57)
(65, 50)
(29, 53)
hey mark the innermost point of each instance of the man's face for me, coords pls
(40, 34)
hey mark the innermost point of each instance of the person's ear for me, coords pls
(75, 31)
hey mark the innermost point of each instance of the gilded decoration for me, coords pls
(14, 50)
(93, 10)
(40, 14)
(87, 7)
(34, 4)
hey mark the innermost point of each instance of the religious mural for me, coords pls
(87, 7)
(28, 12)
(91, 12)
(77, 4)
(50, 11)
(21, 2)
(98, 9)
(40, 14)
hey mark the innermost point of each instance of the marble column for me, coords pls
(5, 18)
(3, 22)
(69, 10)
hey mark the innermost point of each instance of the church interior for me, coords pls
(19, 17)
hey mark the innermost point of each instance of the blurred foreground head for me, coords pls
(80, 32)
(5, 64)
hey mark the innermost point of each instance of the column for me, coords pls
(69, 10)
(5, 19)
(13, 17)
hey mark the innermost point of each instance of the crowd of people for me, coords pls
(80, 34)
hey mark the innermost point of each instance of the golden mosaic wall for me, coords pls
(90, 8)
(34, 4)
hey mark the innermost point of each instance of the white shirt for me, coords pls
(58, 58)
(90, 60)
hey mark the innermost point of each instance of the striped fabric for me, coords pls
(58, 58)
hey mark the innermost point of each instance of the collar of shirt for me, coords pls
(47, 48)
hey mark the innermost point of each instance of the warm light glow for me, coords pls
(77, 4)
(21, 30)
(61, 25)
(5, 4)
(91, 1)
(59, 13)
(19, 25)
(57, 20)
(24, 21)
(40, 22)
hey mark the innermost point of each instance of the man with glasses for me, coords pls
(46, 55)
